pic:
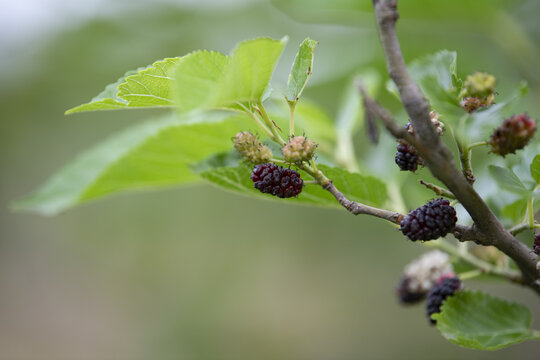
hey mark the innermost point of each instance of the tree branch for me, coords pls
(357, 208)
(438, 157)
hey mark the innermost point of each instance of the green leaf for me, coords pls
(197, 77)
(153, 154)
(150, 87)
(146, 86)
(202, 79)
(107, 99)
(365, 189)
(436, 75)
(247, 76)
(301, 69)
(477, 320)
(508, 180)
(535, 168)
(441, 67)
(210, 80)
(515, 211)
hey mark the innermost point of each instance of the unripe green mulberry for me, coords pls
(251, 148)
(479, 85)
(298, 149)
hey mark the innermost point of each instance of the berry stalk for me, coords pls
(292, 106)
(262, 111)
(481, 265)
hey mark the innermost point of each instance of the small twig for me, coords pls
(257, 120)
(374, 111)
(470, 274)
(292, 106)
(518, 228)
(356, 208)
(530, 212)
(461, 232)
(477, 144)
(483, 266)
(466, 165)
(438, 190)
(271, 124)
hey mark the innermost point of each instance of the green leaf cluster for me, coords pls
(210, 97)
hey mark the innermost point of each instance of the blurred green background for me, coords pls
(195, 272)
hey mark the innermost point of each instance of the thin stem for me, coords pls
(438, 190)
(257, 121)
(262, 111)
(481, 265)
(315, 173)
(279, 161)
(465, 154)
(522, 227)
(470, 274)
(530, 212)
(311, 182)
(314, 165)
(477, 144)
(292, 106)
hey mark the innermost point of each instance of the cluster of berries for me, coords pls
(420, 275)
(430, 221)
(536, 244)
(268, 177)
(514, 133)
(432, 277)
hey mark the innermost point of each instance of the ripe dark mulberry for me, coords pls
(406, 295)
(536, 245)
(430, 221)
(407, 157)
(276, 180)
(445, 287)
(514, 133)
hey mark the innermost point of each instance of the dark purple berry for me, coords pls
(445, 287)
(430, 221)
(406, 295)
(276, 180)
(536, 245)
(514, 133)
(406, 157)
